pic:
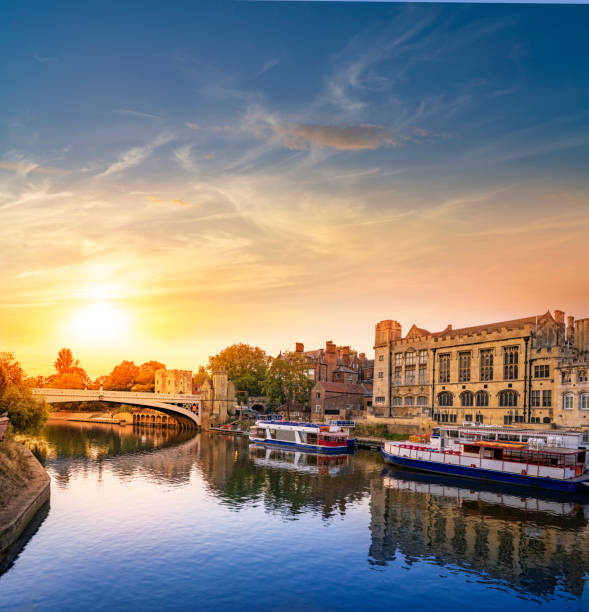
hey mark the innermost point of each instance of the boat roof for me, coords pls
(547, 450)
(510, 430)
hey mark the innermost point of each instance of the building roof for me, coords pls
(345, 388)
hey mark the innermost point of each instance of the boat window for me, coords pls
(502, 436)
(525, 438)
(513, 438)
(472, 449)
(453, 434)
(261, 432)
(311, 438)
(273, 434)
(489, 437)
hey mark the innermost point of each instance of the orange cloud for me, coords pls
(27, 167)
(343, 137)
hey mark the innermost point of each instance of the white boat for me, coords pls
(543, 459)
(312, 437)
(300, 461)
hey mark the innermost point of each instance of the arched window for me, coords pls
(482, 398)
(567, 401)
(409, 400)
(508, 398)
(397, 401)
(445, 399)
(422, 400)
(466, 399)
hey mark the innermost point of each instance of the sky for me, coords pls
(176, 177)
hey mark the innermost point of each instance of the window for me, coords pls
(480, 418)
(535, 398)
(381, 357)
(567, 401)
(468, 418)
(582, 375)
(445, 399)
(566, 376)
(507, 419)
(381, 374)
(542, 371)
(311, 373)
(422, 400)
(409, 401)
(519, 418)
(317, 407)
(410, 358)
(507, 398)
(422, 357)
(379, 399)
(466, 398)
(464, 367)
(410, 375)
(482, 398)
(422, 374)
(486, 364)
(510, 361)
(398, 359)
(398, 375)
(546, 398)
(397, 401)
(584, 401)
(444, 368)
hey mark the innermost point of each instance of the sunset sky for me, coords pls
(176, 177)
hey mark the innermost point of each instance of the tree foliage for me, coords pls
(286, 380)
(69, 373)
(145, 379)
(245, 365)
(26, 412)
(123, 376)
(199, 378)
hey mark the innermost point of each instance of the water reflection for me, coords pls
(536, 545)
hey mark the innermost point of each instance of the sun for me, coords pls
(100, 323)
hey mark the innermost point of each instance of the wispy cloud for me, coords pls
(136, 155)
(268, 65)
(134, 113)
(48, 61)
(193, 126)
(27, 167)
(343, 137)
(183, 157)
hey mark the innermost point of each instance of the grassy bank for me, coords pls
(15, 472)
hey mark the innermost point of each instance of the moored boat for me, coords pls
(549, 460)
(313, 437)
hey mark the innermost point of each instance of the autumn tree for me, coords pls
(286, 380)
(26, 412)
(69, 373)
(145, 380)
(65, 361)
(199, 378)
(123, 376)
(246, 366)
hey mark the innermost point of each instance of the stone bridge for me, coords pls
(260, 404)
(184, 407)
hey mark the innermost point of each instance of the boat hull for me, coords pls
(462, 471)
(310, 448)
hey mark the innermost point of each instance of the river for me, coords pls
(142, 520)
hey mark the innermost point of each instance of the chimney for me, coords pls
(346, 351)
(329, 347)
(300, 347)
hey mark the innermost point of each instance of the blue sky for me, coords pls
(276, 171)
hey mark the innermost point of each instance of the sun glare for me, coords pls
(100, 322)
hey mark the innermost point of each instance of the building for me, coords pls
(572, 394)
(334, 400)
(502, 373)
(173, 381)
(218, 399)
(337, 364)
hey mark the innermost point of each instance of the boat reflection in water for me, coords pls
(535, 545)
(300, 461)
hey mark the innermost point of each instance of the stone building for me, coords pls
(498, 373)
(333, 400)
(337, 364)
(173, 381)
(218, 399)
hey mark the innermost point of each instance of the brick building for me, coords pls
(333, 400)
(511, 372)
(173, 381)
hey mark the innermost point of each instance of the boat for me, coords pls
(324, 438)
(300, 461)
(539, 459)
(4, 420)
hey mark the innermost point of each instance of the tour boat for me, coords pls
(314, 437)
(541, 459)
(300, 461)
(3, 425)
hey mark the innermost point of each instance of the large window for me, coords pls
(546, 398)
(398, 359)
(535, 398)
(542, 371)
(397, 375)
(445, 399)
(410, 358)
(486, 360)
(423, 375)
(466, 399)
(422, 400)
(422, 357)
(444, 373)
(584, 401)
(567, 401)
(410, 375)
(409, 401)
(482, 398)
(507, 398)
(510, 362)
(464, 367)
(397, 401)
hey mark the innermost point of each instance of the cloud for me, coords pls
(343, 137)
(26, 167)
(157, 200)
(183, 157)
(193, 126)
(49, 61)
(268, 65)
(133, 113)
(133, 157)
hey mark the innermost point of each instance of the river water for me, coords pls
(148, 521)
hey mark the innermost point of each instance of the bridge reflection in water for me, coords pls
(535, 545)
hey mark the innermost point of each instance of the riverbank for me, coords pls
(92, 417)
(24, 489)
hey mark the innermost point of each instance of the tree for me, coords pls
(65, 361)
(145, 380)
(245, 365)
(123, 376)
(69, 373)
(199, 378)
(286, 380)
(26, 413)
(68, 380)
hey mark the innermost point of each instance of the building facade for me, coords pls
(173, 381)
(218, 399)
(500, 373)
(333, 400)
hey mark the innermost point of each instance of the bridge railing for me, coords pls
(89, 393)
